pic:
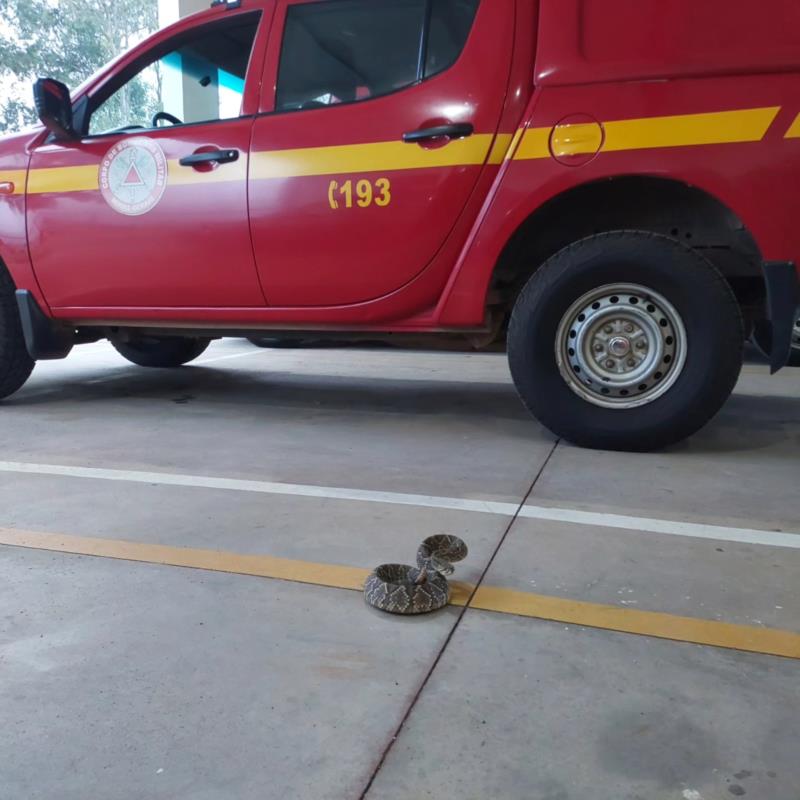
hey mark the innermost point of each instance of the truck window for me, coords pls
(347, 51)
(451, 22)
(201, 80)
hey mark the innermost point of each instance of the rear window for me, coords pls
(345, 51)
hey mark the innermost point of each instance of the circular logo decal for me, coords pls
(133, 176)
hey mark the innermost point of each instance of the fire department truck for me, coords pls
(608, 186)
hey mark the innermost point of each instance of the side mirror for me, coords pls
(54, 107)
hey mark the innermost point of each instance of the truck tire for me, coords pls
(161, 352)
(794, 356)
(16, 364)
(626, 341)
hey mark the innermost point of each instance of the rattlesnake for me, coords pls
(402, 589)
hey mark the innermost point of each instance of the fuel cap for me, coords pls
(576, 140)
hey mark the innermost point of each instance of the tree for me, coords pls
(68, 40)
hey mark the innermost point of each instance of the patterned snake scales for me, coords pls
(402, 589)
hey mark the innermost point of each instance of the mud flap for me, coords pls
(775, 332)
(44, 338)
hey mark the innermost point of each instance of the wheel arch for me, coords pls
(655, 204)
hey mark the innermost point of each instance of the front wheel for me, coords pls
(626, 341)
(162, 352)
(16, 364)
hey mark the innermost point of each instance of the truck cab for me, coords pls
(612, 193)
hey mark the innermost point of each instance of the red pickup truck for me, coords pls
(609, 186)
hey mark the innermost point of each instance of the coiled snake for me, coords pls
(402, 589)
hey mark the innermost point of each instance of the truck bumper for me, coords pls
(783, 297)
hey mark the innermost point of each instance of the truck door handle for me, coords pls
(458, 130)
(213, 157)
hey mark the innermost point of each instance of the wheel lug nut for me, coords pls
(629, 328)
(610, 364)
(608, 329)
(641, 345)
(631, 362)
(598, 348)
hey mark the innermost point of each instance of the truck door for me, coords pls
(149, 208)
(379, 119)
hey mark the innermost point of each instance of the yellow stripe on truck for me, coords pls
(686, 130)
(15, 176)
(747, 125)
(794, 130)
(63, 179)
(364, 158)
(501, 148)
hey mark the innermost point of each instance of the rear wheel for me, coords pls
(16, 364)
(626, 341)
(162, 352)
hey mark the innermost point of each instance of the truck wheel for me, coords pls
(165, 353)
(16, 364)
(794, 356)
(626, 341)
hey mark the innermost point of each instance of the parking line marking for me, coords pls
(714, 633)
(787, 539)
(668, 527)
(766, 641)
(262, 487)
(330, 575)
(201, 361)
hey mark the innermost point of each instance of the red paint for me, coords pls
(309, 255)
(274, 253)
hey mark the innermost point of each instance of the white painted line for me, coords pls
(694, 530)
(202, 361)
(263, 487)
(789, 539)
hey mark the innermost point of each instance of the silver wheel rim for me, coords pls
(796, 334)
(621, 346)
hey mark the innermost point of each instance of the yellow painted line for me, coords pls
(767, 641)
(331, 575)
(15, 176)
(794, 130)
(722, 127)
(502, 144)
(364, 158)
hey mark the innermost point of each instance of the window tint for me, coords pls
(451, 22)
(342, 51)
(201, 80)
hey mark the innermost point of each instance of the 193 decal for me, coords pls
(361, 194)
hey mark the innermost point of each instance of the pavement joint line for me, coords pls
(464, 594)
(634, 524)
(656, 624)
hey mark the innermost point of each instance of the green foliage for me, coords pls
(64, 39)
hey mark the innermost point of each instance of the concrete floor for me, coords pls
(122, 680)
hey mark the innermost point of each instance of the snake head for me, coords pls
(441, 566)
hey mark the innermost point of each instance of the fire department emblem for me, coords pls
(133, 176)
